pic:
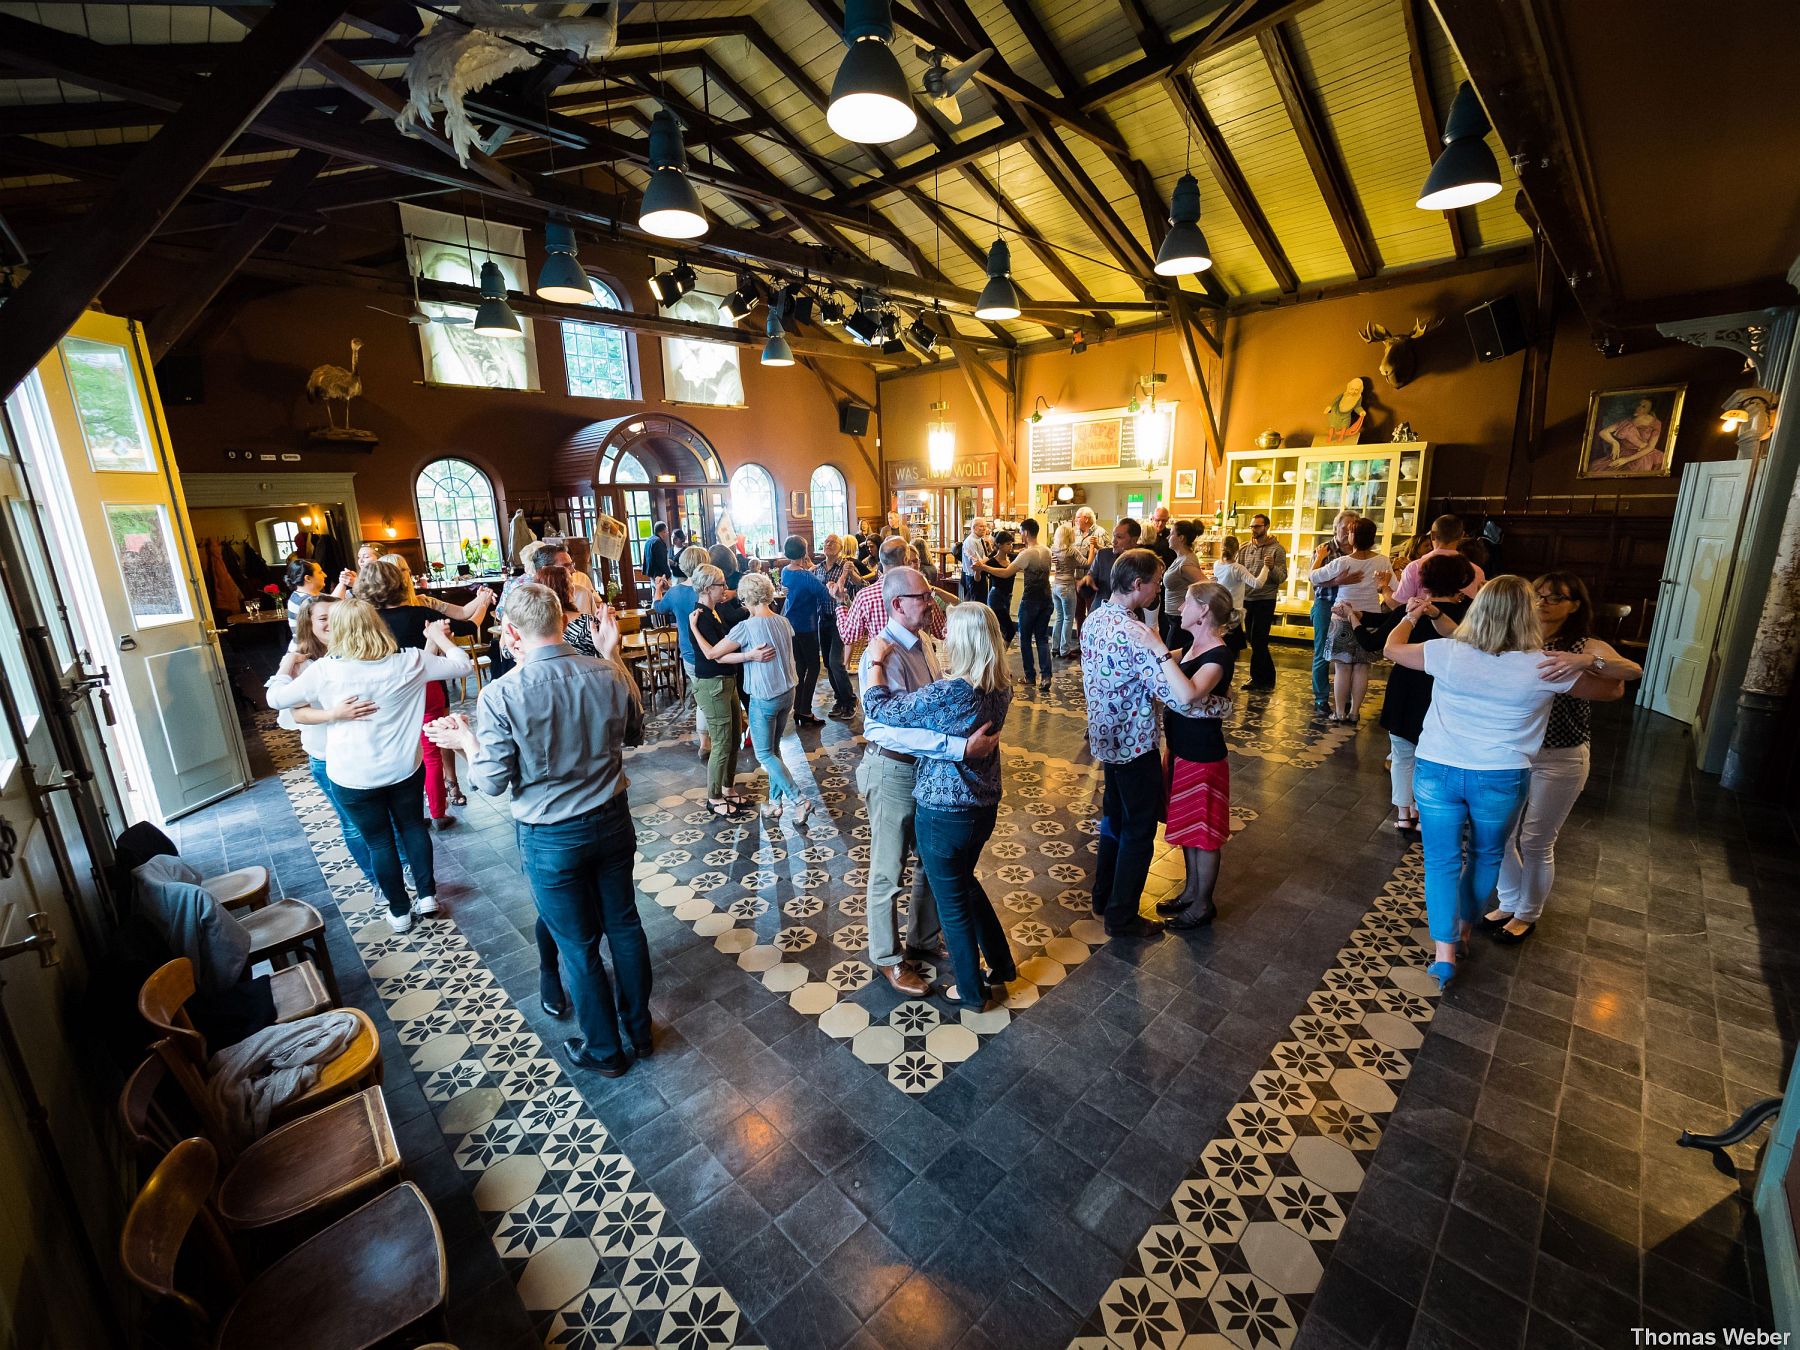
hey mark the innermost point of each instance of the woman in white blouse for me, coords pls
(1237, 579)
(1362, 579)
(375, 691)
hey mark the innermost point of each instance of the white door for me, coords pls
(92, 431)
(1696, 575)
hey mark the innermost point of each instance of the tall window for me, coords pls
(753, 510)
(284, 532)
(830, 503)
(597, 359)
(456, 503)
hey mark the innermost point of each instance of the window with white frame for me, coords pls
(458, 522)
(284, 532)
(596, 358)
(830, 504)
(753, 510)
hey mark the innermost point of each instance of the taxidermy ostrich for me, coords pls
(334, 384)
(456, 59)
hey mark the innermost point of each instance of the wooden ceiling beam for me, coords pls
(1052, 260)
(59, 288)
(1423, 95)
(1514, 57)
(1068, 83)
(1489, 261)
(1321, 155)
(1234, 24)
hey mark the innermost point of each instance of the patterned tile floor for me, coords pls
(1270, 1134)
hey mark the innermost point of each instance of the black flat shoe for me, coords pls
(1506, 938)
(1197, 916)
(577, 1054)
(1488, 925)
(808, 720)
(840, 714)
(643, 1049)
(1175, 906)
(1138, 927)
(554, 1009)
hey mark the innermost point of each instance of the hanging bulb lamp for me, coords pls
(940, 440)
(494, 317)
(870, 102)
(671, 208)
(1466, 172)
(1184, 251)
(561, 279)
(776, 351)
(1152, 436)
(999, 298)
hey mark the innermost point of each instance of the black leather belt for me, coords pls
(895, 755)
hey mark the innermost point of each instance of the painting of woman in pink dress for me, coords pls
(1631, 432)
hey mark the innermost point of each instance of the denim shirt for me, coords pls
(955, 708)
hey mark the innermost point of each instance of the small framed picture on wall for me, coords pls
(797, 504)
(1186, 484)
(1631, 432)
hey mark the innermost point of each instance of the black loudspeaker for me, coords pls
(853, 418)
(178, 378)
(1496, 328)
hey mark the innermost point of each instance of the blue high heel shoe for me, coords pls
(1443, 972)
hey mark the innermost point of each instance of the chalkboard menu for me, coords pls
(1083, 445)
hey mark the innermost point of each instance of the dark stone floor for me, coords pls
(1524, 1190)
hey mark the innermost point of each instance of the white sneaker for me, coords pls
(400, 923)
(426, 905)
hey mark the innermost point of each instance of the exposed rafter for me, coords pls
(1416, 14)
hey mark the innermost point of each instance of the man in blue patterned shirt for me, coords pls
(1124, 682)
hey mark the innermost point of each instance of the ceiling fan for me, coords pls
(419, 318)
(942, 84)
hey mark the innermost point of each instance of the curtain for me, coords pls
(445, 247)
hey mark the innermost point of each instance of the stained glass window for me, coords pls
(456, 513)
(597, 359)
(753, 510)
(830, 504)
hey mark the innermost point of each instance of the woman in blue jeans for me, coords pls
(1490, 703)
(957, 800)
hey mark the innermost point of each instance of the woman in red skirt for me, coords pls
(1199, 797)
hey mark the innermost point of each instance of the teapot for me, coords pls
(1269, 440)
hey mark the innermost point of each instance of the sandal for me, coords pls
(722, 807)
(456, 796)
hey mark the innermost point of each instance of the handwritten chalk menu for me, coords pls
(1079, 445)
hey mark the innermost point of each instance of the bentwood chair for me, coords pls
(375, 1272)
(338, 1155)
(662, 670)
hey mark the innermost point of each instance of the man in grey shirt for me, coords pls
(1264, 551)
(552, 732)
(975, 550)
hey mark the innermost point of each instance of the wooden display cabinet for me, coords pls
(1302, 489)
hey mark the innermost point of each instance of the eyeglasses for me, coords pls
(913, 595)
(1554, 599)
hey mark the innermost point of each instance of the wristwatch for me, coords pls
(1599, 666)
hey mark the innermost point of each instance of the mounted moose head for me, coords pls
(1397, 357)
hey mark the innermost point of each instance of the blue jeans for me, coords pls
(353, 840)
(384, 814)
(768, 721)
(1062, 631)
(580, 874)
(1461, 872)
(1034, 628)
(950, 843)
(1321, 668)
(843, 695)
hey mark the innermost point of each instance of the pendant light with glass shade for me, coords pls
(671, 208)
(1466, 172)
(940, 432)
(561, 279)
(870, 101)
(1150, 429)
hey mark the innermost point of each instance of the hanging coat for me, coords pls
(225, 593)
(519, 536)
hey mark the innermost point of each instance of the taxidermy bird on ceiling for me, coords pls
(485, 42)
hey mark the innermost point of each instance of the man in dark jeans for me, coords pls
(656, 552)
(1263, 551)
(552, 732)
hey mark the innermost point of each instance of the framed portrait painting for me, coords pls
(1630, 433)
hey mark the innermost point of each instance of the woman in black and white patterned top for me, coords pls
(1559, 769)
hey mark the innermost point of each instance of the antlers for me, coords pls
(1421, 328)
(1374, 332)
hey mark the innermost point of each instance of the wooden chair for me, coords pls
(339, 1153)
(375, 1272)
(163, 1001)
(280, 930)
(481, 654)
(662, 669)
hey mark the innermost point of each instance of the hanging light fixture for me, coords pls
(561, 278)
(1466, 172)
(741, 301)
(867, 323)
(776, 351)
(940, 439)
(1151, 424)
(1184, 251)
(924, 336)
(870, 102)
(494, 317)
(671, 208)
(1039, 408)
(999, 298)
(670, 286)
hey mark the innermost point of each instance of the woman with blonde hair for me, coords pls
(1489, 709)
(376, 690)
(1065, 576)
(715, 691)
(957, 801)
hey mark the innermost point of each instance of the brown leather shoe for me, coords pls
(907, 980)
(936, 952)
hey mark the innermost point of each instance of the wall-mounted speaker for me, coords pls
(853, 418)
(1497, 328)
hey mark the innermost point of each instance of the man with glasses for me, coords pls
(885, 779)
(860, 619)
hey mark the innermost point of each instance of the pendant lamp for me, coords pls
(1184, 251)
(940, 440)
(870, 102)
(999, 298)
(776, 351)
(561, 278)
(1466, 172)
(671, 208)
(494, 317)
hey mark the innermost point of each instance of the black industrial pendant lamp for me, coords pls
(1466, 172)
(1184, 251)
(494, 317)
(870, 102)
(671, 208)
(561, 279)
(999, 298)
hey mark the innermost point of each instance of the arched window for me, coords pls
(753, 510)
(597, 359)
(830, 503)
(456, 502)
